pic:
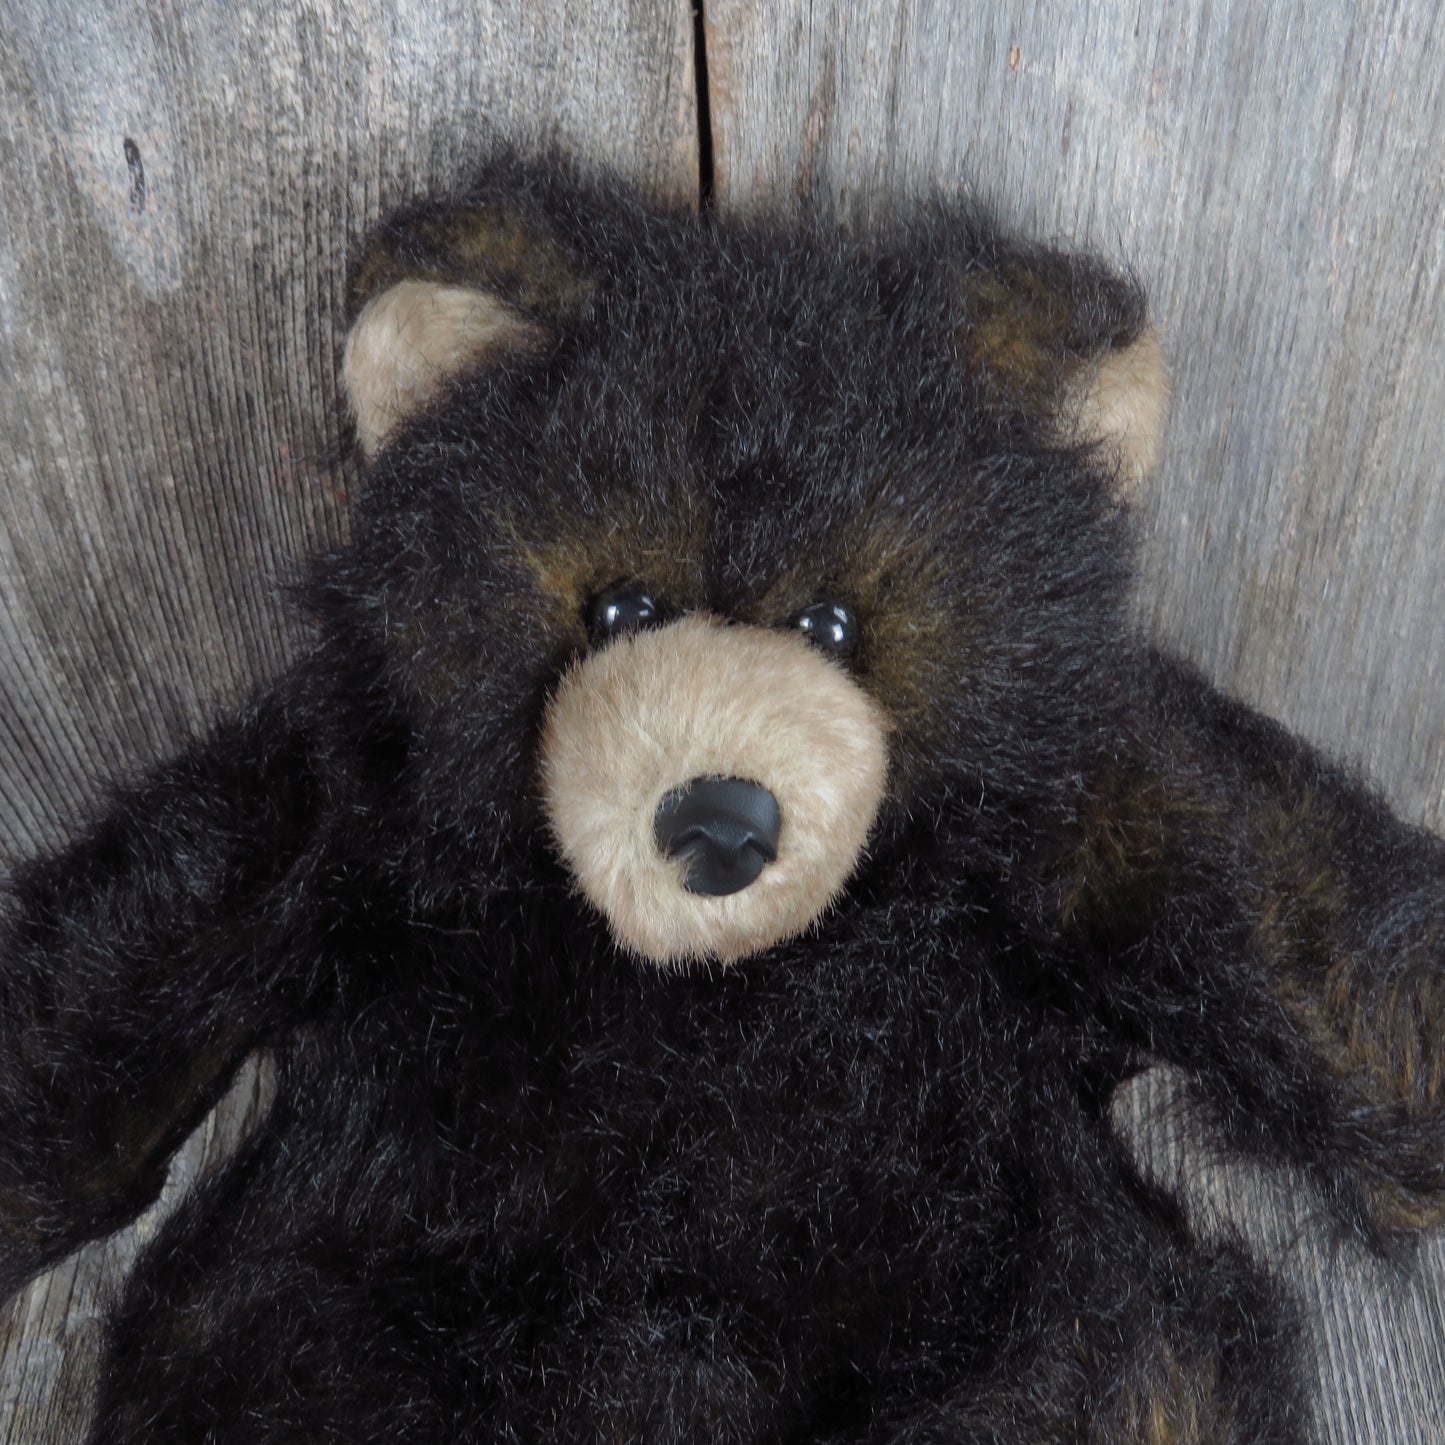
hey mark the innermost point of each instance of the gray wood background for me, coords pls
(182, 187)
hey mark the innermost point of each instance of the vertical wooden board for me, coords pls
(1276, 176)
(185, 185)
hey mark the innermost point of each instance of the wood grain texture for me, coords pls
(1276, 175)
(183, 187)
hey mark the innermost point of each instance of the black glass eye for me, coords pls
(830, 626)
(621, 608)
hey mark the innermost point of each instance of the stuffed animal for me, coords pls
(701, 890)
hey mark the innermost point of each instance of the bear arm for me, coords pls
(1283, 939)
(137, 969)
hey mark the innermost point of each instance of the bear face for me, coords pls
(761, 441)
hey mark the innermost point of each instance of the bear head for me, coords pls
(718, 559)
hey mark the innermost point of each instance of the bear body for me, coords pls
(704, 886)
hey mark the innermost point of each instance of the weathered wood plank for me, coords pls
(1276, 175)
(183, 187)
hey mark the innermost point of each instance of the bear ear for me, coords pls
(1118, 401)
(413, 338)
(444, 290)
(1063, 344)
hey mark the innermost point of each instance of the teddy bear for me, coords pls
(701, 889)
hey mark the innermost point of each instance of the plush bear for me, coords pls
(703, 887)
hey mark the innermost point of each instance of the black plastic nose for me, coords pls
(726, 829)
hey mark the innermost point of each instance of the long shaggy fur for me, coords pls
(860, 1185)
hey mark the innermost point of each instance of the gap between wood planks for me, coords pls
(704, 108)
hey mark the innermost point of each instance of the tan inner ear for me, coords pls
(1121, 404)
(411, 340)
